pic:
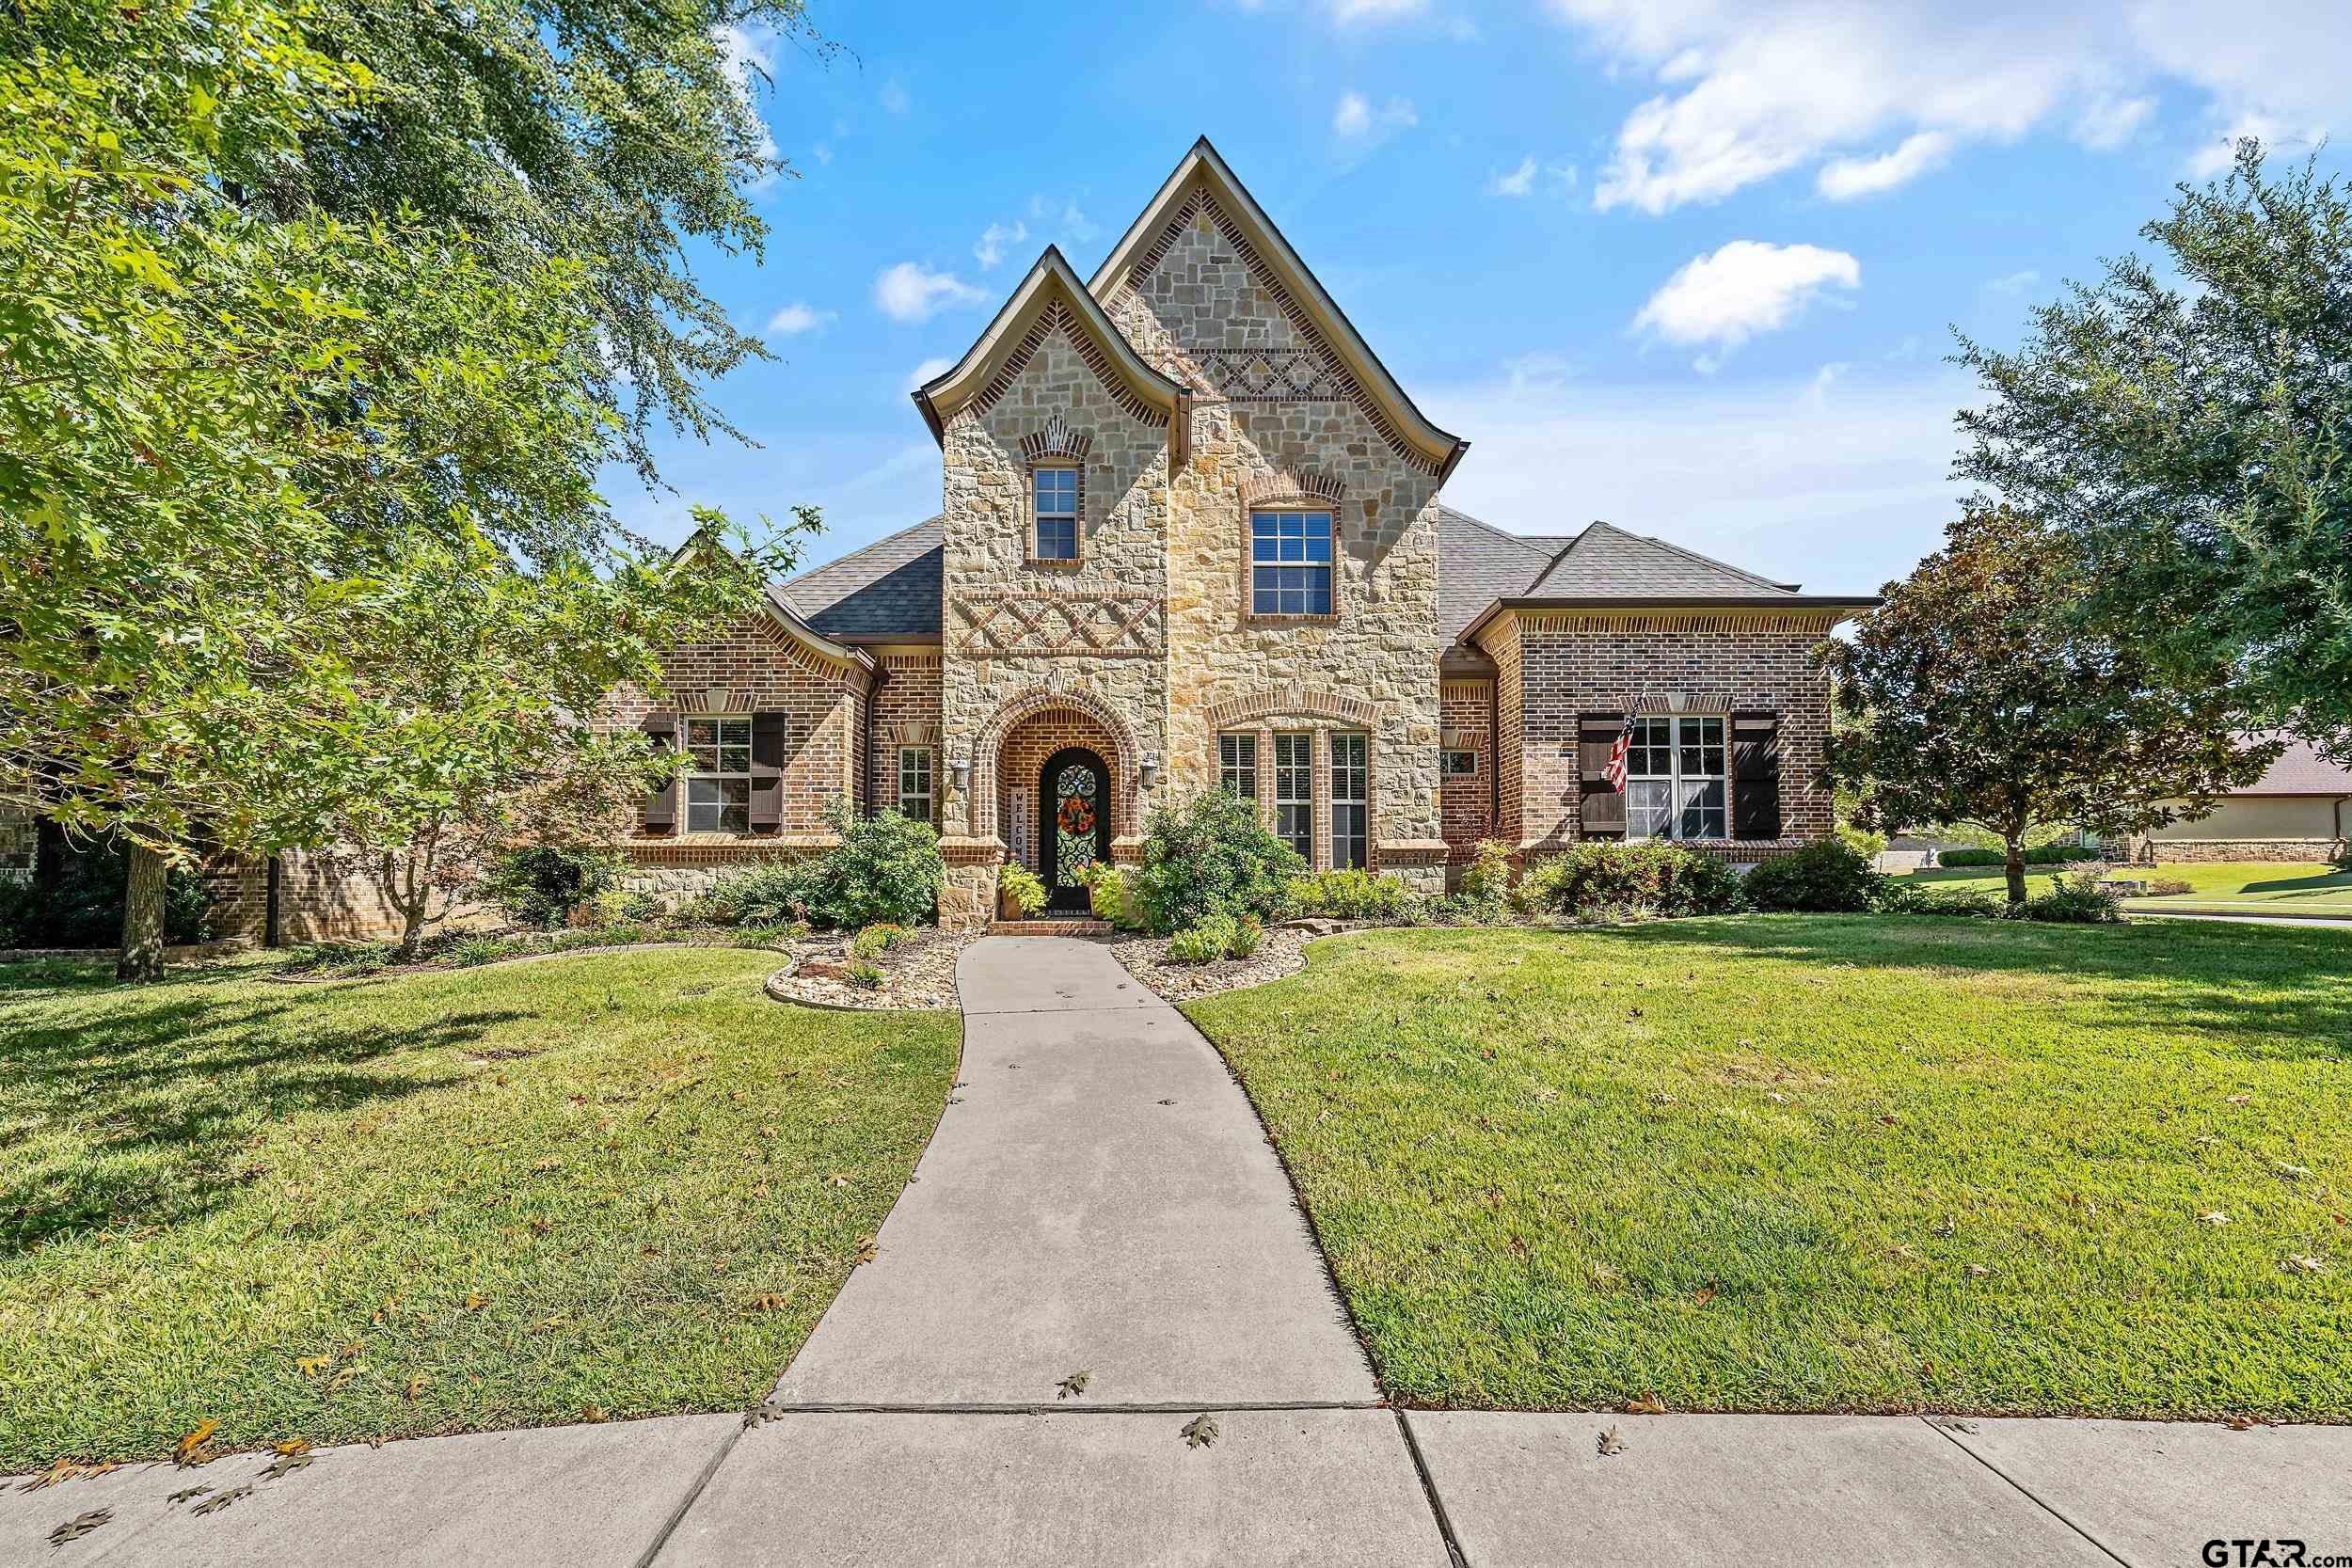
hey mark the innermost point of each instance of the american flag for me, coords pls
(1615, 770)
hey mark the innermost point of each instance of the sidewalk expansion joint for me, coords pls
(2022, 1490)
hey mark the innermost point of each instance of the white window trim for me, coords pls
(1674, 779)
(1304, 803)
(1076, 517)
(930, 796)
(1329, 566)
(1364, 799)
(719, 746)
(1241, 739)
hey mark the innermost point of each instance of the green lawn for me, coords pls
(2228, 887)
(1789, 1163)
(503, 1197)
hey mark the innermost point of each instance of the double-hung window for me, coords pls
(1237, 765)
(1056, 495)
(1290, 563)
(1674, 786)
(914, 783)
(1294, 792)
(718, 789)
(1350, 767)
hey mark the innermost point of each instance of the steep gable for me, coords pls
(1606, 561)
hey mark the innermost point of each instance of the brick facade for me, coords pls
(1466, 711)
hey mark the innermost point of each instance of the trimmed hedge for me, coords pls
(2045, 854)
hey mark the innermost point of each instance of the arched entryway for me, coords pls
(1073, 793)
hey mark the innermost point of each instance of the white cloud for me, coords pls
(748, 57)
(1347, 13)
(1751, 89)
(797, 318)
(822, 153)
(2218, 152)
(1720, 300)
(894, 98)
(1850, 177)
(1356, 119)
(2015, 285)
(1838, 477)
(1518, 181)
(1060, 219)
(930, 369)
(990, 248)
(910, 292)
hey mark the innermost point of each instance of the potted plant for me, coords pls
(1020, 893)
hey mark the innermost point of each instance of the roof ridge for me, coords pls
(1688, 554)
(862, 550)
(1521, 539)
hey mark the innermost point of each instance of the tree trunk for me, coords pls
(412, 894)
(2014, 865)
(142, 956)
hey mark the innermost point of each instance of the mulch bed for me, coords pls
(1280, 953)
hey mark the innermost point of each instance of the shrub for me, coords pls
(1246, 934)
(614, 907)
(1611, 880)
(1110, 896)
(1460, 908)
(2042, 854)
(1826, 876)
(1211, 856)
(1205, 941)
(874, 940)
(1350, 895)
(82, 907)
(2077, 898)
(1488, 877)
(481, 950)
(886, 868)
(540, 886)
(1024, 887)
(1903, 895)
(866, 976)
(1869, 846)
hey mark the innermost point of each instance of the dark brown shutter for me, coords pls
(660, 812)
(1601, 810)
(1754, 775)
(766, 773)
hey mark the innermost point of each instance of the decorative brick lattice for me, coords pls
(1054, 318)
(1004, 624)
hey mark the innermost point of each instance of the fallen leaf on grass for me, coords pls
(1200, 1432)
(1074, 1384)
(308, 1366)
(291, 1445)
(341, 1380)
(80, 1525)
(2213, 1217)
(1648, 1406)
(592, 1413)
(771, 1301)
(191, 1443)
(2303, 1262)
(1978, 1271)
(415, 1386)
(868, 1250)
(61, 1469)
(2241, 1099)
(1611, 1443)
(1704, 1294)
(2240, 1423)
(552, 1161)
(476, 1301)
(219, 1500)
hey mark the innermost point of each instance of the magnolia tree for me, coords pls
(2187, 427)
(1977, 694)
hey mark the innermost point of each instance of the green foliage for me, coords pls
(541, 887)
(865, 976)
(1488, 875)
(2166, 887)
(1977, 693)
(1205, 941)
(774, 894)
(1604, 879)
(1211, 856)
(1023, 887)
(887, 869)
(83, 907)
(2184, 424)
(1903, 895)
(1349, 894)
(1826, 876)
(1869, 846)
(2041, 854)
(1247, 933)
(874, 940)
(473, 952)
(2078, 899)
(1110, 896)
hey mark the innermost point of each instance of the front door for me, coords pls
(1074, 823)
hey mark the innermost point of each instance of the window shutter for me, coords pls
(1600, 810)
(1754, 775)
(659, 815)
(766, 773)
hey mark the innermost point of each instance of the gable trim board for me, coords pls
(1201, 180)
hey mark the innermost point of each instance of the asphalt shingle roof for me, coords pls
(892, 588)
(2301, 771)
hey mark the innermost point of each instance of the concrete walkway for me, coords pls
(1099, 1198)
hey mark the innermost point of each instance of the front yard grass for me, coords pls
(587, 1187)
(2216, 887)
(1789, 1162)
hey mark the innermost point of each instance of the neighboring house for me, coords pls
(2300, 810)
(1190, 536)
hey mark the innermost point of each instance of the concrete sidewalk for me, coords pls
(1099, 1197)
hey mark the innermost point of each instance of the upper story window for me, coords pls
(718, 788)
(1056, 494)
(1674, 786)
(1290, 563)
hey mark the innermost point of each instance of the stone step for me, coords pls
(1076, 926)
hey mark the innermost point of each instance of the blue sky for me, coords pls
(1691, 266)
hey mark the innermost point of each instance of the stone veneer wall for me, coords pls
(1274, 419)
(1557, 664)
(1466, 710)
(1019, 634)
(2296, 851)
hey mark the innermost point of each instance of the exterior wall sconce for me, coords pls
(1147, 774)
(963, 771)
